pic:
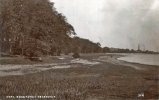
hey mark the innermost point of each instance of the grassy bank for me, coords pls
(85, 82)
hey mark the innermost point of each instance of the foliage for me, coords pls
(35, 28)
(29, 26)
(76, 55)
(86, 46)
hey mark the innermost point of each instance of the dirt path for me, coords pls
(7, 70)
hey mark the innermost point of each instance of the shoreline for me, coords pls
(130, 59)
(60, 63)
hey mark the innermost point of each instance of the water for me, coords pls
(148, 59)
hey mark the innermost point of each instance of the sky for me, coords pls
(114, 23)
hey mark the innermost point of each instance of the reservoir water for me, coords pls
(148, 59)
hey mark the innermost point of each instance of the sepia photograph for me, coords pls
(79, 49)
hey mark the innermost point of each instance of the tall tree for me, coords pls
(32, 26)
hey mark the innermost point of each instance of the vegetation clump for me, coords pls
(76, 55)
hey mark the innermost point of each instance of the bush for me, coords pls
(39, 59)
(76, 55)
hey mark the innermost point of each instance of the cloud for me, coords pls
(114, 23)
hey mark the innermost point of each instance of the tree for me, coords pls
(86, 46)
(34, 26)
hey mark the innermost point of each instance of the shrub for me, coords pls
(76, 55)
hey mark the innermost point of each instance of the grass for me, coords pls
(100, 82)
(23, 61)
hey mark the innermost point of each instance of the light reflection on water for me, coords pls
(148, 59)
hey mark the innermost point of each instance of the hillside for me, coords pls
(35, 28)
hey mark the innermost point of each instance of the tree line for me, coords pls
(119, 50)
(35, 27)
